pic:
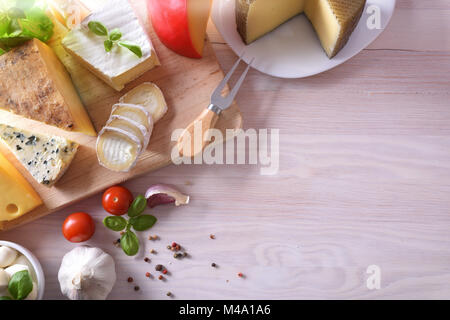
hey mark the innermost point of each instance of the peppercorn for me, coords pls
(169, 247)
(118, 240)
(212, 236)
(130, 279)
(155, 237)
(160, 277)
(213, 265)
(136, 288)
(159, 267)
(240, 275)
(165, 271)
(169, 294)
(178, 247)
(174, 244)
(146, 259)
(177, 255)
(185, 254)
(147, 274)
(150, 238)
(153, 251)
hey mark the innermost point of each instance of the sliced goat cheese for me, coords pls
(46, 157)
(119, 66)
(134, 112)
(150, 97)
(132, 127)
(118, 149)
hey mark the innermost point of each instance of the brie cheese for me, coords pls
(119, 66)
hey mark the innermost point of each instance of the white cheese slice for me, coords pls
(120, 66)
(134, 112)
(46, 157)
(117, 149)
(150, 96)
(132, 127)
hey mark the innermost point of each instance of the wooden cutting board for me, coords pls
(187, 85)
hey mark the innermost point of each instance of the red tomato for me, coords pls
(116, 200)
(78, 227)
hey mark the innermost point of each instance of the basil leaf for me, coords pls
(115, 35)
(115, 223)
(142, 223)
(132, 47)
(5, 298)
(108, 45)
(2, 51)
(20, 285)
(129, 243)
(138, 206)
(98, 28)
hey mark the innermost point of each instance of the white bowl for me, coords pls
(288, 53)
(34, 262)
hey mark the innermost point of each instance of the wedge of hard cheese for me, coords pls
(35, 84)
(17, 197)
(119, 66)
(333, 20)
(46, 157)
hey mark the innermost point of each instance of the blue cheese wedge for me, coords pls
(45, 157)
(119, 66)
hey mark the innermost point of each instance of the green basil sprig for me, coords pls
(113, 38)
(19, 286)
(137, 220)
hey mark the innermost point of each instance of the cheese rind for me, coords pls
(17, 197)
(333, 20)
(46, 157)
(119, 66)
(35, 84)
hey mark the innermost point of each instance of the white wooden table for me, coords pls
(364, 180)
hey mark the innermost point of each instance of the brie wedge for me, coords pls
(46, 157)
(119, 66)
(150, 97)
(117, 149)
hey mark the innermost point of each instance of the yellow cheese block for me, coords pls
(333, 20)
(17, 197)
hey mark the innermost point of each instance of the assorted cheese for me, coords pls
(128, 131)
(333, 20)
(17, 197)
(119, 66)
(45, 157)
(35, 84)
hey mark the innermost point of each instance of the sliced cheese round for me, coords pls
(150, 96)
(134, 112)
(118, 149)
(132, 127)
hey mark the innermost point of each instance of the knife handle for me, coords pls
(205, 121)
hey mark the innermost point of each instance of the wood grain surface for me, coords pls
(364, 180)
(187, 85)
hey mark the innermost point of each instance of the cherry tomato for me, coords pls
(78, 227)
(116, 200)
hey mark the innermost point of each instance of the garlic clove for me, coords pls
(7, 256)
(163, 194)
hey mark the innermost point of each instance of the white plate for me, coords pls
(293, 50)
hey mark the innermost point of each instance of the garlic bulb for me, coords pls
(87, 273)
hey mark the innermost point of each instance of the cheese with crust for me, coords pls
(35, 84)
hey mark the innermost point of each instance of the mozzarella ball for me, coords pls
(4, 280)
(16, 268)
(7, 256)
(21, 259)
(33, 294)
